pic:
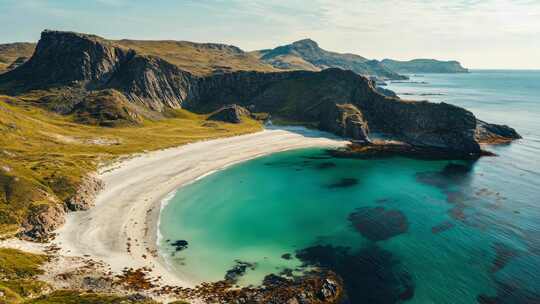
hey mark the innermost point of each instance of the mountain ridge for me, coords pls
(306, 54)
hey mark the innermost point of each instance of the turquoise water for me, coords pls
(397, 230)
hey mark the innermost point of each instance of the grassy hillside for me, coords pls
(199, 58)
(17, 275)
(287, 61)
(11, 51)
(307, 55)
(44, 155)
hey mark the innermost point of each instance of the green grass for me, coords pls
(43, 155)
(16, 264)
(17, 275)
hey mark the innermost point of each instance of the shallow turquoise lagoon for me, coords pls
(396, 229)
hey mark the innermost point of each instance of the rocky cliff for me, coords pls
(336, 100)
(311, 96)
(424, 66)
(88, 63)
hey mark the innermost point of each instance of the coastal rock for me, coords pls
(346, 120)
(230, 113)
(492, 133)
(42, 220)
(86, 193)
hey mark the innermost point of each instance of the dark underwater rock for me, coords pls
(379, 224)
(370, 275)
(180, 245)
(326, 165)
(238, 270)
(344, 183)
(286, 256)
(503, 255)
(442, 227)
(452, 174)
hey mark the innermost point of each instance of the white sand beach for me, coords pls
(127, 210)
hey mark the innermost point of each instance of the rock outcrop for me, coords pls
(340, 101)
(345, 120)
(42, 220)
(230, 113)
(487, 133)
(306, 96)
(86, 194)
(90, 62)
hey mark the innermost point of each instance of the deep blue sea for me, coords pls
(396, 230)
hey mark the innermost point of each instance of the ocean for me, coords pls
(397, 230)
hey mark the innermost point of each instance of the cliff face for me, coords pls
(88, 62)
(424, 66)
(311, 96)
(336, 100)
(65, 58)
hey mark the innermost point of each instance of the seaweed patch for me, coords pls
(370, 275)
(379, 224)
(344, 183)
(442, 227)
(238, 270)
(325, 165)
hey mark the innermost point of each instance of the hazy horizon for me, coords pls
(493, 34)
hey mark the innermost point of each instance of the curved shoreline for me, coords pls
(121, 229)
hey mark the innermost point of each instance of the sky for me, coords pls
(478, 33)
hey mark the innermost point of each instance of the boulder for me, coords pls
(230, 113)
(345, 120)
